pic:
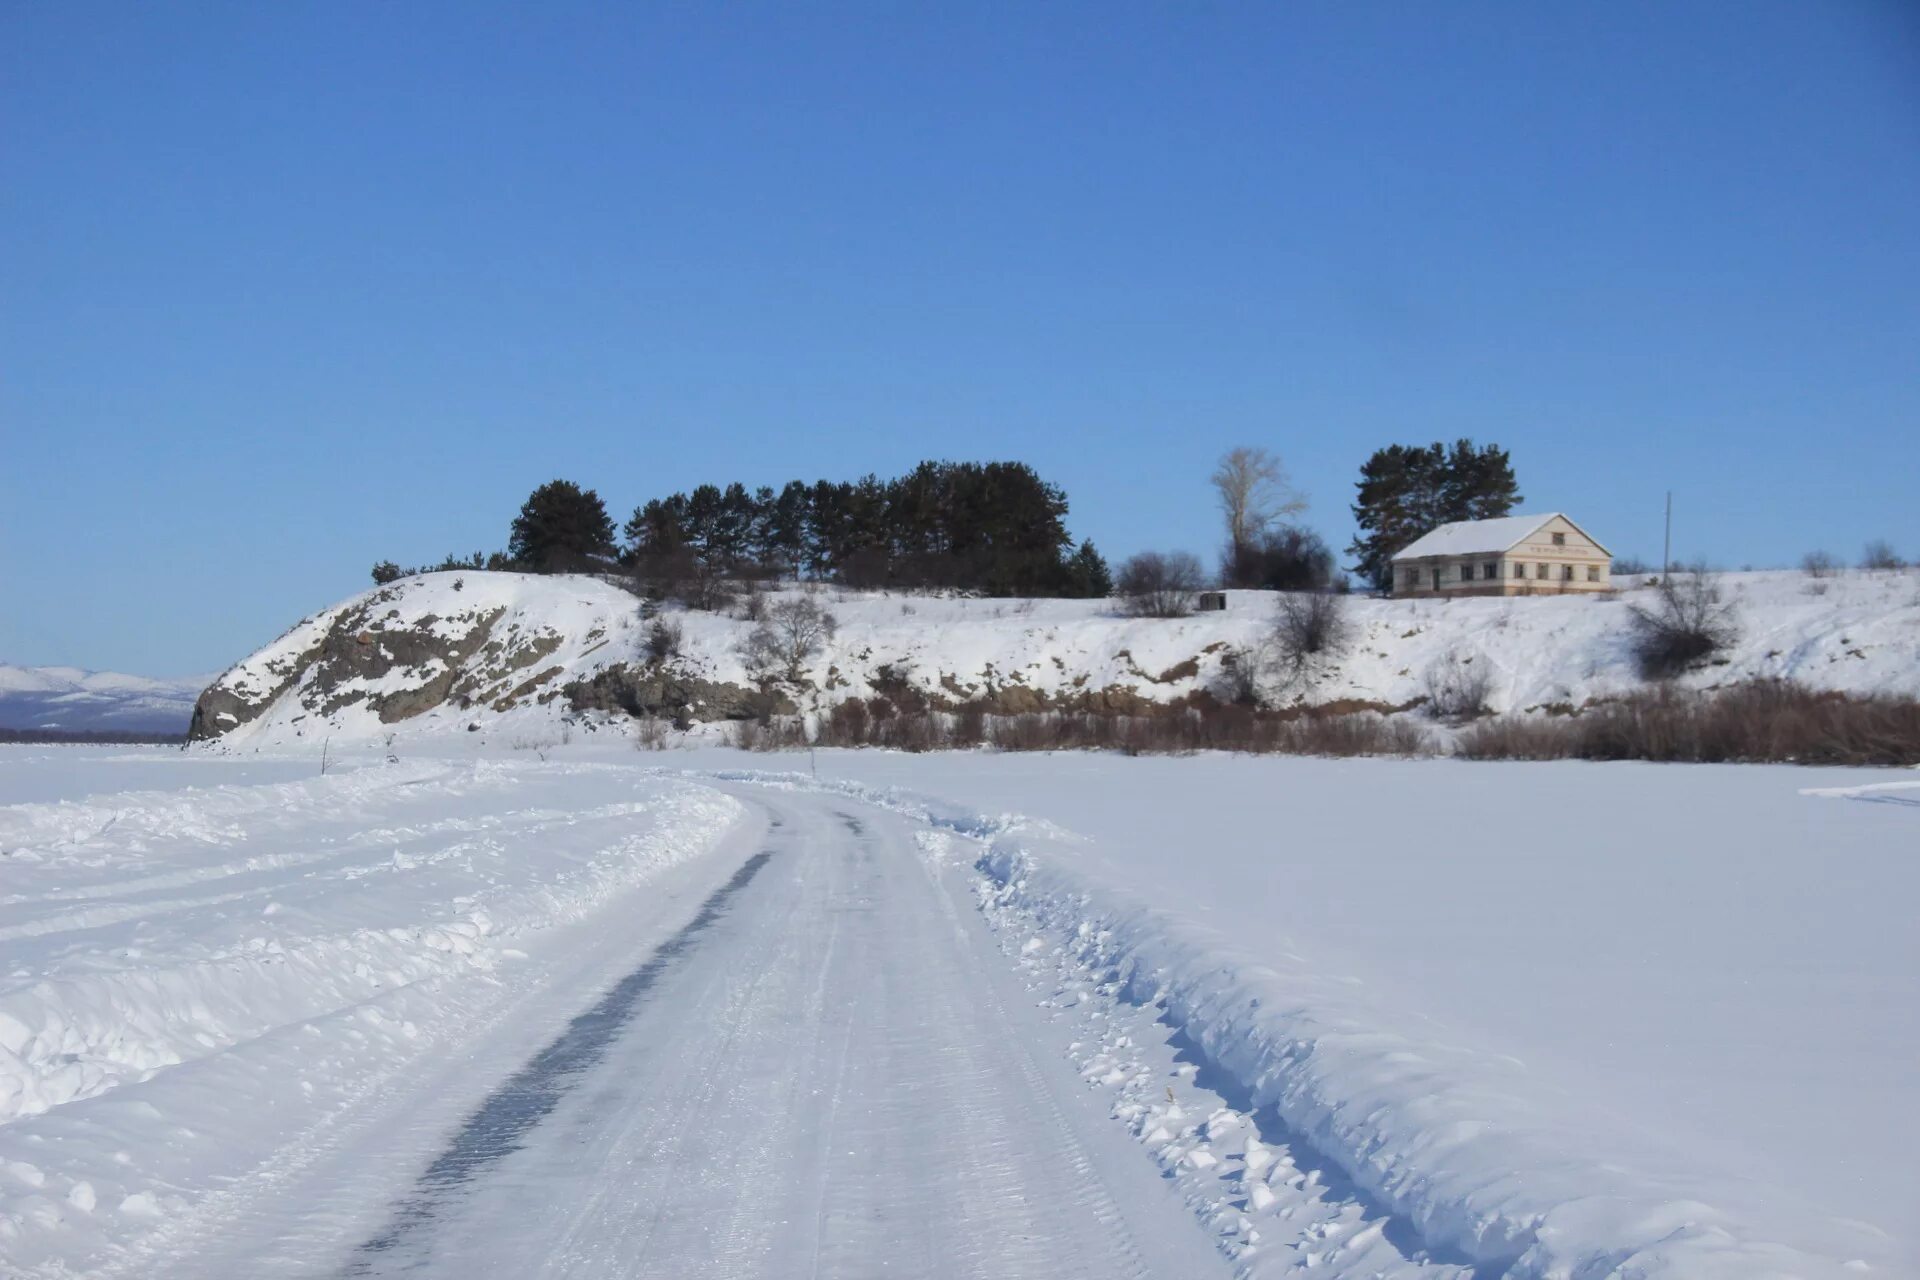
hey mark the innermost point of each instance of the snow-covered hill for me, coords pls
(495, 652)
(75, 700)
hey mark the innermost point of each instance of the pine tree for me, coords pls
(561, 527)
(1088, 576)
(1407, 491)
(787, 524)
(658, 528)
(733, 526)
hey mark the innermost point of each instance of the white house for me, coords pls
(1512, 556)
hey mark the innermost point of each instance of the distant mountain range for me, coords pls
(77, 701)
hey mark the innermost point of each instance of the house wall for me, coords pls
(1575, 565)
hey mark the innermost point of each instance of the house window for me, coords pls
(1566, 573)
(1519, 570)
(1559, 539)
(1593, 573)
(1540, 571)
(1489, 571)
(1466, 573)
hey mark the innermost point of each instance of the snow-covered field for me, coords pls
(1366, 1017)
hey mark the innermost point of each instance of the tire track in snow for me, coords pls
(511, 1112)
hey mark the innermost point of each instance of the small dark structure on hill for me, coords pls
(1210, 602)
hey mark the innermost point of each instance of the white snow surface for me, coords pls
(1656, 1022)
(1858, 632)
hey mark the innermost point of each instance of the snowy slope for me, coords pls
(73, 699)
(445, 652)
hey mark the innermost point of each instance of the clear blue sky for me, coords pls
(289, 288)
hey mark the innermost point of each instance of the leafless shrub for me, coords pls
(1631, 567)
(1819, 564)
(968, 727)
(1689, 622)
(650, 734)
(773, 733)
(1159, 585)
(1237, 682)
(663, 639)
(877, 722)
(846, 724)
(1457, 685)
(1880, 555)
(794, 633)
(698, 582)
(753, 602)
(1309, 623)
(1760, 720)
(1519, 738)
(539, 746)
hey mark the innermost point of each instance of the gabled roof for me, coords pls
(1484, 537)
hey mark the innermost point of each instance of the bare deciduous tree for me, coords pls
(1156, 585)
(1254, 495)
(795, 631)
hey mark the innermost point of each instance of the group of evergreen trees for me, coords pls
(1407, 491)
(993, 527)
(996, 528)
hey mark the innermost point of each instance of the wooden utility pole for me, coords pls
(1666, 547)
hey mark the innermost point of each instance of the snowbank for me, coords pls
(189, 972)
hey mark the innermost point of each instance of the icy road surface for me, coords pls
(818, 1076)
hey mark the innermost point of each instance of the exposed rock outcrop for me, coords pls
(672, 695)
(371, 654)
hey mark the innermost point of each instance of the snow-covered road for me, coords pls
(817, 1076)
